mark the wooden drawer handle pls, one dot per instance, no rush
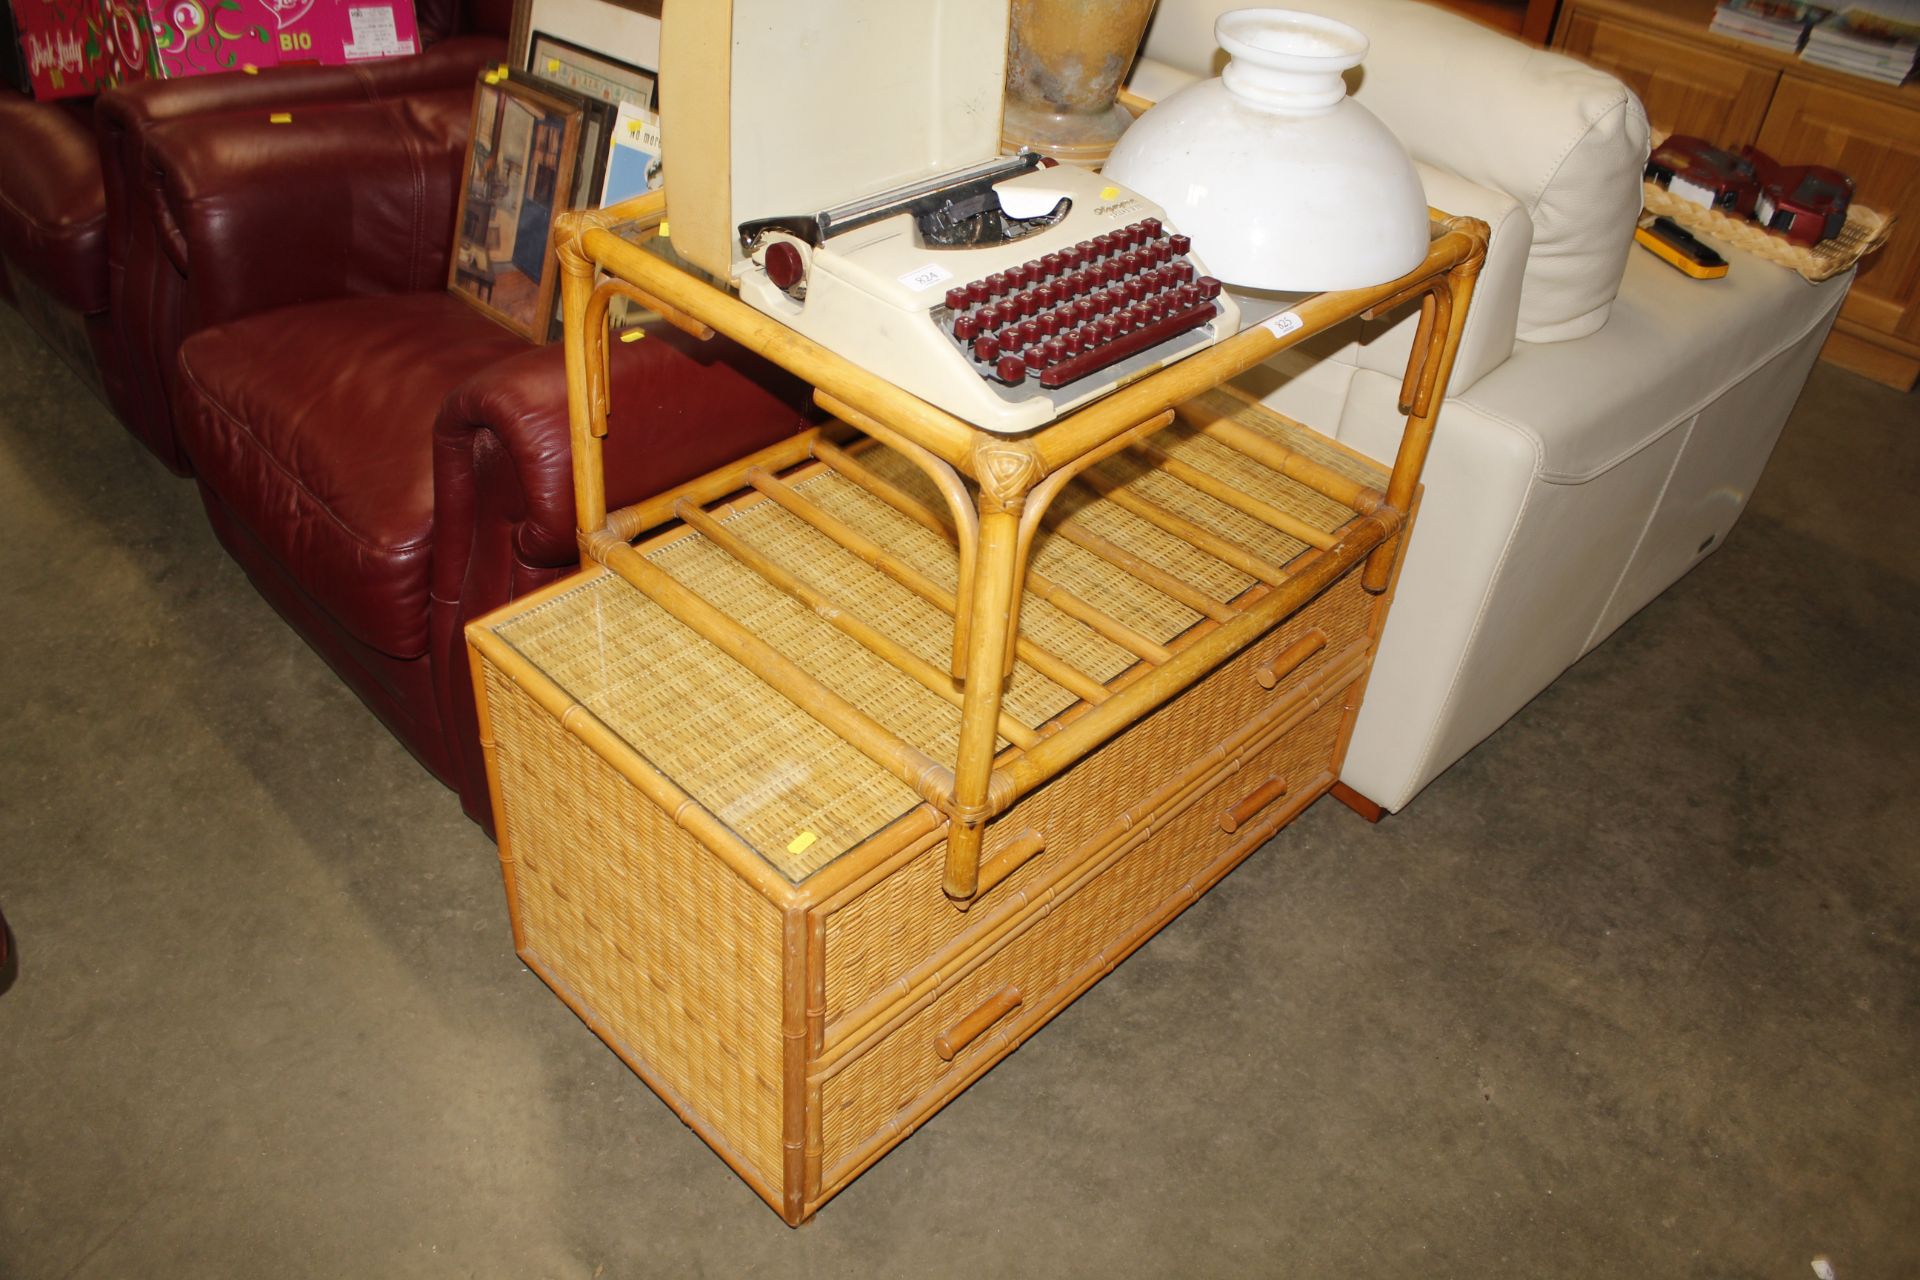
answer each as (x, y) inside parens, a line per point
(970, 1028)
(1263, 795)
(1284, 662)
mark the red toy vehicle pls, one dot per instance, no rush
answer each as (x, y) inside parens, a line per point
(1807, 203)
(1696, 170)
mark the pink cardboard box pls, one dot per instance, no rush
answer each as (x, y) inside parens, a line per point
(195, 37)
(334, 32)
(74, 47)
(70, 48)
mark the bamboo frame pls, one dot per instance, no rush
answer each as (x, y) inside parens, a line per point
(1018, 479)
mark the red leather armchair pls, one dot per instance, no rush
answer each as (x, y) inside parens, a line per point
(384, 462)
(72, 255)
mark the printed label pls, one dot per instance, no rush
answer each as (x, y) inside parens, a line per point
(374, 35)
(926, 277)
(1283, 324)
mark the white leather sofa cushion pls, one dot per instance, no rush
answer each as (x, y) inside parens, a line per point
(1671, 345)
(1567, 142)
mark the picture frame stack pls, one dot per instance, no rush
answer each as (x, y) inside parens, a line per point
(568, 123)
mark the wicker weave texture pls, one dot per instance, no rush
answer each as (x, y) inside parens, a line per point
(645, 928)
(904, 1073)
(1864, 232)
(900, 921)
(738, 748)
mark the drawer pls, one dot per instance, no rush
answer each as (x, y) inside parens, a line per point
(1021, 978)
(872, 941)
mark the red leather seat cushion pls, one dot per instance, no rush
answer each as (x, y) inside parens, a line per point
(53, 209)
(314, 425)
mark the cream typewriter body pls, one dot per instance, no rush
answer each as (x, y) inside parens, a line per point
(1006, 294)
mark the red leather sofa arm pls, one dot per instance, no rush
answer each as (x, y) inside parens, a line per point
(503, 478)
(335, 202)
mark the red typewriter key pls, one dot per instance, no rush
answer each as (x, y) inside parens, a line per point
(1049, 323)
(1152, 226)
(965, 327)
(1055, 349)
(1012, 370)
(1035, 357)
(1054, 263)
(1179, 243)
(957, 298)
(977, 291)
(1209, 287)
(996, 284)
(986, 347)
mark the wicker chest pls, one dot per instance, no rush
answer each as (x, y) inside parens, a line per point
(749, 910)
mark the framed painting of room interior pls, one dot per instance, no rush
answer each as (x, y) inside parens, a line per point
(519, 173)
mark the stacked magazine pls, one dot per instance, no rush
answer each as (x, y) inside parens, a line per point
(1778, 24)
(1878, 40)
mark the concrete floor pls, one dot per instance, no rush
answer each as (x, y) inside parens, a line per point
(1633, 990)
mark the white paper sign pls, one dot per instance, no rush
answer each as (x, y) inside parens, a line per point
(926, 277)
(374, 35)
(1283, 324)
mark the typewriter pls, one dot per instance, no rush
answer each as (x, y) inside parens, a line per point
(867, 205)
(1006, 293)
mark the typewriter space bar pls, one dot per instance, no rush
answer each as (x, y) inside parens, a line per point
(1115, 349)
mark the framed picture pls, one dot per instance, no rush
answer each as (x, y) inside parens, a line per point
(520, 166)
(592, 75)
(628, 30)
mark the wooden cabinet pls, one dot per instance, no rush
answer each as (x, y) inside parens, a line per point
(1531, 20)
(1733, 93)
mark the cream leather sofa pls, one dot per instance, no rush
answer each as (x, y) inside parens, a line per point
(1608, 416)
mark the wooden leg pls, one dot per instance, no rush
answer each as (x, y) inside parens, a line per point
(980, 704)
(1366, 808)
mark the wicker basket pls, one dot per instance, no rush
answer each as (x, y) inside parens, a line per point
(748, 909)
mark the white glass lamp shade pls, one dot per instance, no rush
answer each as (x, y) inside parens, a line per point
(1281, 180)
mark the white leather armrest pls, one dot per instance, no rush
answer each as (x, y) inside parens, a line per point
(1492, 321)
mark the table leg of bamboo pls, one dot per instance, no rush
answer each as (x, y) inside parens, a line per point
(993, 579)
(589, 485)
(1428, 398)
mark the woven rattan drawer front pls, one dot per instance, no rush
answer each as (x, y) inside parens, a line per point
(898, 923)
(876, 1096)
